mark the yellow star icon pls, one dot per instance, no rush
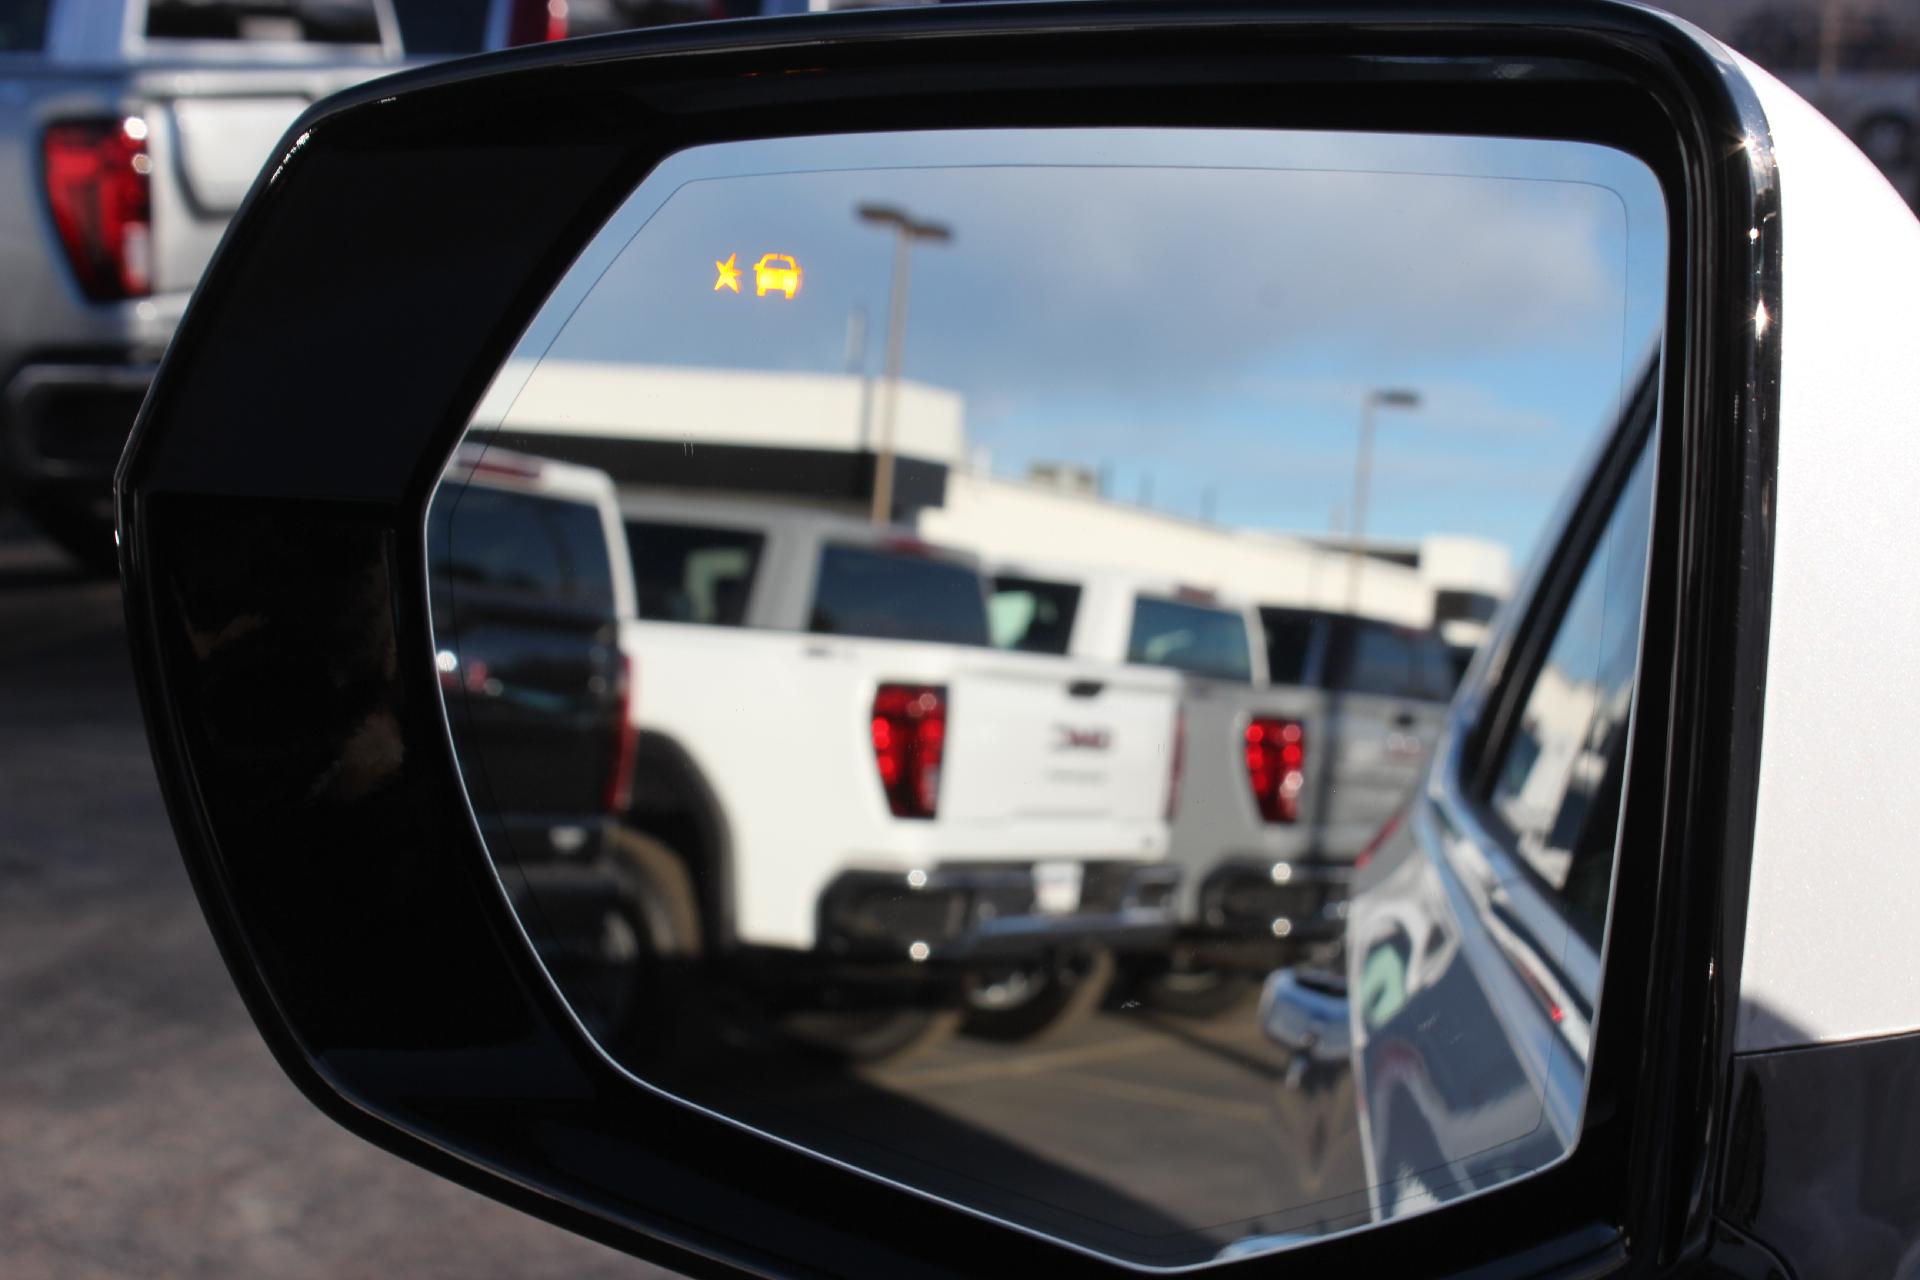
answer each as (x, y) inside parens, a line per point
(729, 274)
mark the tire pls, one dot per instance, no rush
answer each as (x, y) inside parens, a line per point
(1197, 993)
(84, 535)
(1043, 999)
(631, 996)
(873, 1036)
(661, 891)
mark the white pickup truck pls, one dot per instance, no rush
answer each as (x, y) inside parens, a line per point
(1291, 762)
(857, 777)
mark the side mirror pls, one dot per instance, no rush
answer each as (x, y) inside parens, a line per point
(676, 724)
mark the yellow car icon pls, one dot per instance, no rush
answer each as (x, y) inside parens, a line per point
(776, 271)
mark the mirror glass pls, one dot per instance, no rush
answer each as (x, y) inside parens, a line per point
(929, 623)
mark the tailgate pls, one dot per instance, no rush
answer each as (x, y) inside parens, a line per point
(1042, 740)
(223, 142)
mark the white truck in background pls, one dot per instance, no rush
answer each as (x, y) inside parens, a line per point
(1293, 754)
(886, 817)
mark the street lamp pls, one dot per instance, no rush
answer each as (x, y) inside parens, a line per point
(906, 229)
(1392, 398)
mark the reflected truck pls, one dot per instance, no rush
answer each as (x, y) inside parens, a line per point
(892, 827)
(529, 579)
(1293, 753)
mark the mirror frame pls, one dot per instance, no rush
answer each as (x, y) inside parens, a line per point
(272, 496)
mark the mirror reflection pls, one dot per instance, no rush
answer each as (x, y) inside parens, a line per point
(931, 625)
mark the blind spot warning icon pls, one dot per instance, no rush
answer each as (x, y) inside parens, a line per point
(776, 271)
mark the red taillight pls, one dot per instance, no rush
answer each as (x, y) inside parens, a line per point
(626, 744)
(96, 173)
(1179, 762)
(532, 21)
(1276, 763)
(909, 729)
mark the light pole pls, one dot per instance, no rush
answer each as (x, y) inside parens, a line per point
(906, 230)
(1363, 477)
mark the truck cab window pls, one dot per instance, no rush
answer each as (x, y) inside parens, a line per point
(527, 545)
(1033, 616)
(890, 595)
(691, 573)
(498, 540)
(1374, 659)
(1290, 638)
(1190, 637)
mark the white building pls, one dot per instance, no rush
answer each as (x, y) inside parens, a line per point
(1002, 519)
(813, 438)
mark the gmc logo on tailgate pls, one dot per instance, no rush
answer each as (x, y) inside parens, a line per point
(1068, 738)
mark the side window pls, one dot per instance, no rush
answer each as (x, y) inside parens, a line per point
(1199, 638)
(1558, 785)
(687, 573)
(1032, 616)
(1376, 659)
(1289, 644)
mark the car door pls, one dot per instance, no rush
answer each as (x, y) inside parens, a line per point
(1476, 927)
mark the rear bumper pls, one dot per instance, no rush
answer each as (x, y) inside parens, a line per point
(994, 912)
(1298, 899)
(64, 425)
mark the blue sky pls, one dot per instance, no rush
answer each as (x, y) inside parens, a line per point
(1206, 321)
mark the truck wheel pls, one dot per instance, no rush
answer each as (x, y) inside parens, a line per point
(660, 889)
(1024, 1002)
(86, 537)
(872, 1036)
(635, 995)
(607, 988)
(1197, 992)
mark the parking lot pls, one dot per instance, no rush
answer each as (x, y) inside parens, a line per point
(1148, 1123)
(149, 1132)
